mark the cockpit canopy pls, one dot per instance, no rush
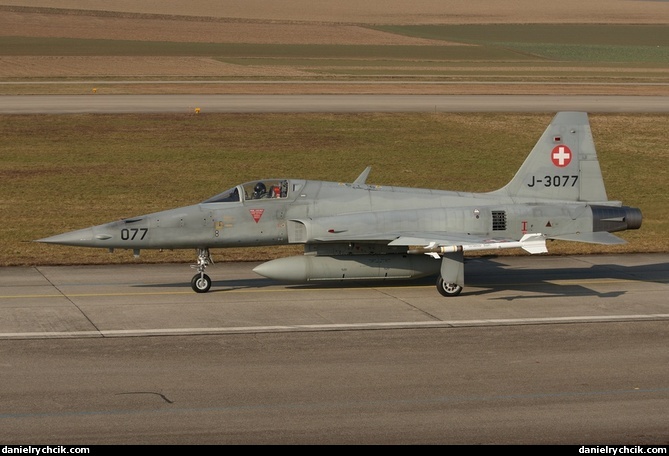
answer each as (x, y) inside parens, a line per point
(266, 188)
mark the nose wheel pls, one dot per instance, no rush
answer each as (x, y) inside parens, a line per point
(201, 283)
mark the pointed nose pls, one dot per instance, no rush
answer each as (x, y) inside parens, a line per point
(85, 238)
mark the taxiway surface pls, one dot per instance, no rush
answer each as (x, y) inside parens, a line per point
(72, 104)
(144, 299)
(564, 350)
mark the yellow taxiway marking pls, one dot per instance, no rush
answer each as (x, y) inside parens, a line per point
(164, 293)
(82, 295)
(580, 282)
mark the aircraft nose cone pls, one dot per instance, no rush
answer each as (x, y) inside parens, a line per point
(83, 237)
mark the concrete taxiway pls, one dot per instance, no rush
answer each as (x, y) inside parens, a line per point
(144, 299)
(537, 350)
(118, 104)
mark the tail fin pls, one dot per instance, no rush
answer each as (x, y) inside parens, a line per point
(562, 165)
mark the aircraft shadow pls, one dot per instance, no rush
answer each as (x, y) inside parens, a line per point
(489, 275)
(219, 286)
(485, 275)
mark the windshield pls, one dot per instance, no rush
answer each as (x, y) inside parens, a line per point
(227, 196)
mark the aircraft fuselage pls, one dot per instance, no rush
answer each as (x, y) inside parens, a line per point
(321, 212)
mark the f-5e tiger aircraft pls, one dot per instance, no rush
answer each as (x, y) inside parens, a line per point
(358, 231)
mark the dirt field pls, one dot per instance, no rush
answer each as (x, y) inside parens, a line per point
(296, 22)
(92, 26)
(387, 11)
(271, 22)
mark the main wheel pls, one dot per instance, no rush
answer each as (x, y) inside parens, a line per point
(200, 283)
(448, 289)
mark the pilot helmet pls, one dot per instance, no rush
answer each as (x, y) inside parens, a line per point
(259, 190)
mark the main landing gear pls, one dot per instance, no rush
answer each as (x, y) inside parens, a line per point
(452, 274)
(448, 289)
(201, 283)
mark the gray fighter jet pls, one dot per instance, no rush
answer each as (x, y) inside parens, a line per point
(357, 231)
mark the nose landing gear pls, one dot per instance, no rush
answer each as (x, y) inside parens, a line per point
(201, 283)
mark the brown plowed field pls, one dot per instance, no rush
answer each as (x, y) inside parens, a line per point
(269, 22)
(61, 24)
(386, 11)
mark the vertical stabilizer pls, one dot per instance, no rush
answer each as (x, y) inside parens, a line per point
(563, 164)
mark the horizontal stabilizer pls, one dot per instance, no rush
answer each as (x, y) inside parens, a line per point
(599, 237)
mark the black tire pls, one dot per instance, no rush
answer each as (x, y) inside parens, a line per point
(448, 289)
(200, 284)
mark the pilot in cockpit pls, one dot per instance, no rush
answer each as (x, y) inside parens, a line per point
(259, 191)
